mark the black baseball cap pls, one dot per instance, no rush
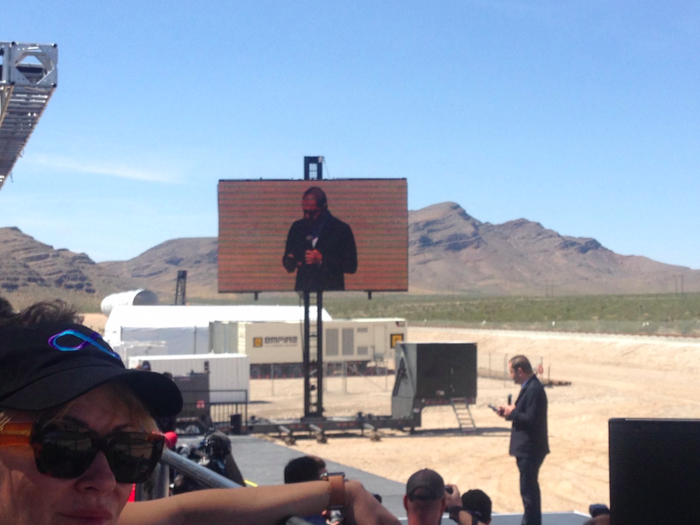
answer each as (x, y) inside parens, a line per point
(478, 504)
(47, 364)
(425, 484)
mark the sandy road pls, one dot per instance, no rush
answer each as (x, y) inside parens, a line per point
(612, 376)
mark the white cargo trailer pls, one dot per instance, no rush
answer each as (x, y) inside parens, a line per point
(271, 336)
(229, 379)
(184, 330)
(361, 345)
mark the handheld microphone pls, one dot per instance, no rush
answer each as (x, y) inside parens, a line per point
(510, 398)
(308, 245)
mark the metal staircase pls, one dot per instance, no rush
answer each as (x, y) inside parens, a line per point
(463, 414)
(28, 77)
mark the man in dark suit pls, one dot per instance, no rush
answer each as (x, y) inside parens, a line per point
(320, 247)
(528, 439)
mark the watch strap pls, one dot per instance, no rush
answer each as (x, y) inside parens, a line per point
(337, 493)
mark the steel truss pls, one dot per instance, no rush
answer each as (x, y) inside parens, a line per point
(28, 77)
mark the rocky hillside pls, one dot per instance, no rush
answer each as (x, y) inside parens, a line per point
(31, 270)
(156, 269)
(449, 252)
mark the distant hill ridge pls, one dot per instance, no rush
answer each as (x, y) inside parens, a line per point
(449, 252)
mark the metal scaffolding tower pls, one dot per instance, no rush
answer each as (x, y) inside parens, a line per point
(28, 77)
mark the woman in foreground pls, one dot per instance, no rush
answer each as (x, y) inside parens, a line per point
(77, 430)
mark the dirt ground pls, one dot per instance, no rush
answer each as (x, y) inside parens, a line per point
(95, 321)
(611, 376)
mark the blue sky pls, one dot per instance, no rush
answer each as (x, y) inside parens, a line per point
(581, 115)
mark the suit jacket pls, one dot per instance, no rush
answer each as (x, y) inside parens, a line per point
(336, 243)
(528, 437)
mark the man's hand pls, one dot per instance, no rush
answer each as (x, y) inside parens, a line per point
(290, 263)
(313, 257)
(505, 410)
(453, 499)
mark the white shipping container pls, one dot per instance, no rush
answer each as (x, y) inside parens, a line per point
(185, 329)
(358, 341)
(229, 374)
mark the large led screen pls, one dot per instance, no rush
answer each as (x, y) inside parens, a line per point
(277, 235)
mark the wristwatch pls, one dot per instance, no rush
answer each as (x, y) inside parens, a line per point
(337, 496)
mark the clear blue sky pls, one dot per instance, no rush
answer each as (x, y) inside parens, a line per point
(581, 115)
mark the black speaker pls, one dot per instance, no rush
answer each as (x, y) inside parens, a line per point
(446, 370)
(236, 424)
(195, 394)
(438, 370)
(654, 471)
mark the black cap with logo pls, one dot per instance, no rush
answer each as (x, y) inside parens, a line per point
(47, 364)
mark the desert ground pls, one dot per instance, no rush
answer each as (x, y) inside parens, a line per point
(611, 376)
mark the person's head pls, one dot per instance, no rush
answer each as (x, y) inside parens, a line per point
(305, 468)
(425, 498)
(314, 204)
(520, 369)
(6, 310)
(217, 445)
(478, 504)
(74, 422)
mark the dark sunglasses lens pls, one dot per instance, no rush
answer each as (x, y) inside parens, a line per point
(66, 454)
(133, 457)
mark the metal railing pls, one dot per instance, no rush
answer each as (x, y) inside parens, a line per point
(212, 408)
(158, 486)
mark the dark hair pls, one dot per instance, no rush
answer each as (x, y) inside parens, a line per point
(478, 503)
(521, 362)
(56, 311)
(305, 468)
(318, 195)
(6, 310)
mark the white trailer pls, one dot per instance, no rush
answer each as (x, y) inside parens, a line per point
(276, 349)
(183, 330)
(229, 377)
(271, 336)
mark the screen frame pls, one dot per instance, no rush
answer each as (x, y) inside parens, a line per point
(375, 209)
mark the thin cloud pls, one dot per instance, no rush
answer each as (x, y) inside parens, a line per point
(104, 168)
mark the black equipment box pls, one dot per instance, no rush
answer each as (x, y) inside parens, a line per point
(195, 395)
(433, 374)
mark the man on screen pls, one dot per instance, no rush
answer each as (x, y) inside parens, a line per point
(319, 247)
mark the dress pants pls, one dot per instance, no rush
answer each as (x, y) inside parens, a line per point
(529, 468)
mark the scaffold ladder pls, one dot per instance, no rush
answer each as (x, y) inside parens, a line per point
(28, 78)
(313, 356)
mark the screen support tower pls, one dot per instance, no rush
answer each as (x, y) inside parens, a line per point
(28, 78)
(313, 369)
(180, 288)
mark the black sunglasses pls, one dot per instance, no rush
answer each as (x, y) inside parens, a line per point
(66, 450)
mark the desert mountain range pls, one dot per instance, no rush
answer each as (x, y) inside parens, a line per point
(449, 252)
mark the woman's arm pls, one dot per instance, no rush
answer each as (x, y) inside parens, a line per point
(260, 505)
